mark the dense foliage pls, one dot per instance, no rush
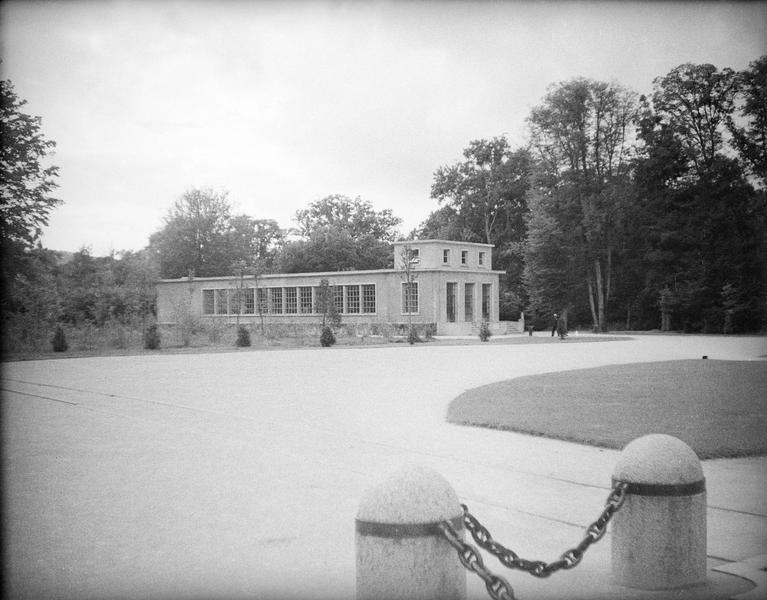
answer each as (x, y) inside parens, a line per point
(635, 212)
(340, 234)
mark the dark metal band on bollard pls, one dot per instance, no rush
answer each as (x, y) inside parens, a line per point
(664, 489)
(404, 530)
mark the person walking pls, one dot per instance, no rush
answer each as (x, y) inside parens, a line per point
(561, 327)
(554, 322)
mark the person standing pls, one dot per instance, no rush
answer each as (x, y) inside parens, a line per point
(554, 322)
(561, 327)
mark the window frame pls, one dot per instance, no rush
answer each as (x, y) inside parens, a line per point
(408, 298)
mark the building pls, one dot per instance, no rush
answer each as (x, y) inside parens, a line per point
(453, 290)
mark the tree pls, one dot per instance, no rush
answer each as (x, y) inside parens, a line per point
(408, 264)
(697, 102)
(486, 190)
(339, 234)
(251, 240)
(751, 137)
(26, 185)
(196, 236)
(582, 134)
(25, 195)
(357, 218)
(445, 223)
(697, 223)
(326, 305)
(552, 274)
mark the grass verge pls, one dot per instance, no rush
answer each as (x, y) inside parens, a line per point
(719, 408)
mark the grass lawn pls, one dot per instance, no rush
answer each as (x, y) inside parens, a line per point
(719, 408)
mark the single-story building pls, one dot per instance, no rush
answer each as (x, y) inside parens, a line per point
(453, 288)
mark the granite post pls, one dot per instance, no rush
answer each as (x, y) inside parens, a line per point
(659, 534)
(401, 554)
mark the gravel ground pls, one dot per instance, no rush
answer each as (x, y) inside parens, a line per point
(239, 475)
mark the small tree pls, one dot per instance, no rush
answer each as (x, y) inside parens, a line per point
(243, 336)
(152, 338)
(59, 341)
(326, 305)
(408, 261)
(327, 338)
(484, 331)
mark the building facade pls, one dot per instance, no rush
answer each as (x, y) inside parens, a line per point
(453, 288)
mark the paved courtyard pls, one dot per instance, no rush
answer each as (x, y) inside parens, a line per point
(235, 475)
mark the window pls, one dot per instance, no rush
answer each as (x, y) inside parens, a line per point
(338, 298)
(208, 302)
(415, 256)
(464, 257)
(369, 298)
(486, 287)
(410, 297)
(481, 258)
(446, 256)
(352, 298)
(222, 302)
(291, 301)
(275, 300)
(468, 301)
(263, 301)
(248, 303)
(451, 302)
(306, 300)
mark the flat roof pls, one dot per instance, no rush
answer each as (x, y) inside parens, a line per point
(329, 274)
(430, 241)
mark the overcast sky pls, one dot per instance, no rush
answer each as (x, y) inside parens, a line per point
(284, 103)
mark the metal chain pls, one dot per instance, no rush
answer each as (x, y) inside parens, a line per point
(568, 560)
(497, 587)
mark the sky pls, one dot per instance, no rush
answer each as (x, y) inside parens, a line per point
(281, 104)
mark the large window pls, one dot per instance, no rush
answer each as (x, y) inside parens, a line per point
(248, 301)
(208, 302)
(291, 301)
(451, 302)
(352, 299)
(486, 287)
(222, 302)
(262, 297)
(410, 298)
(468, 301)
(369, 298)
(275, 301)
(338, 298)
(306, 300)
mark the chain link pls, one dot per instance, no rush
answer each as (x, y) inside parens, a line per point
(571, 558)
(497, 587)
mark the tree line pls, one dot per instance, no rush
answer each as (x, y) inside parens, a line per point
(626, 211)
(623, 211)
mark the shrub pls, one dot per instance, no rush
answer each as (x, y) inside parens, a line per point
(243, 336)
(152, 338)
(327, 338)
(59, 341)
(484, 331)
(413, 337)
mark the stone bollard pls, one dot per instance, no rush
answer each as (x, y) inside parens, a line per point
(400, 551)
(659, 534)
